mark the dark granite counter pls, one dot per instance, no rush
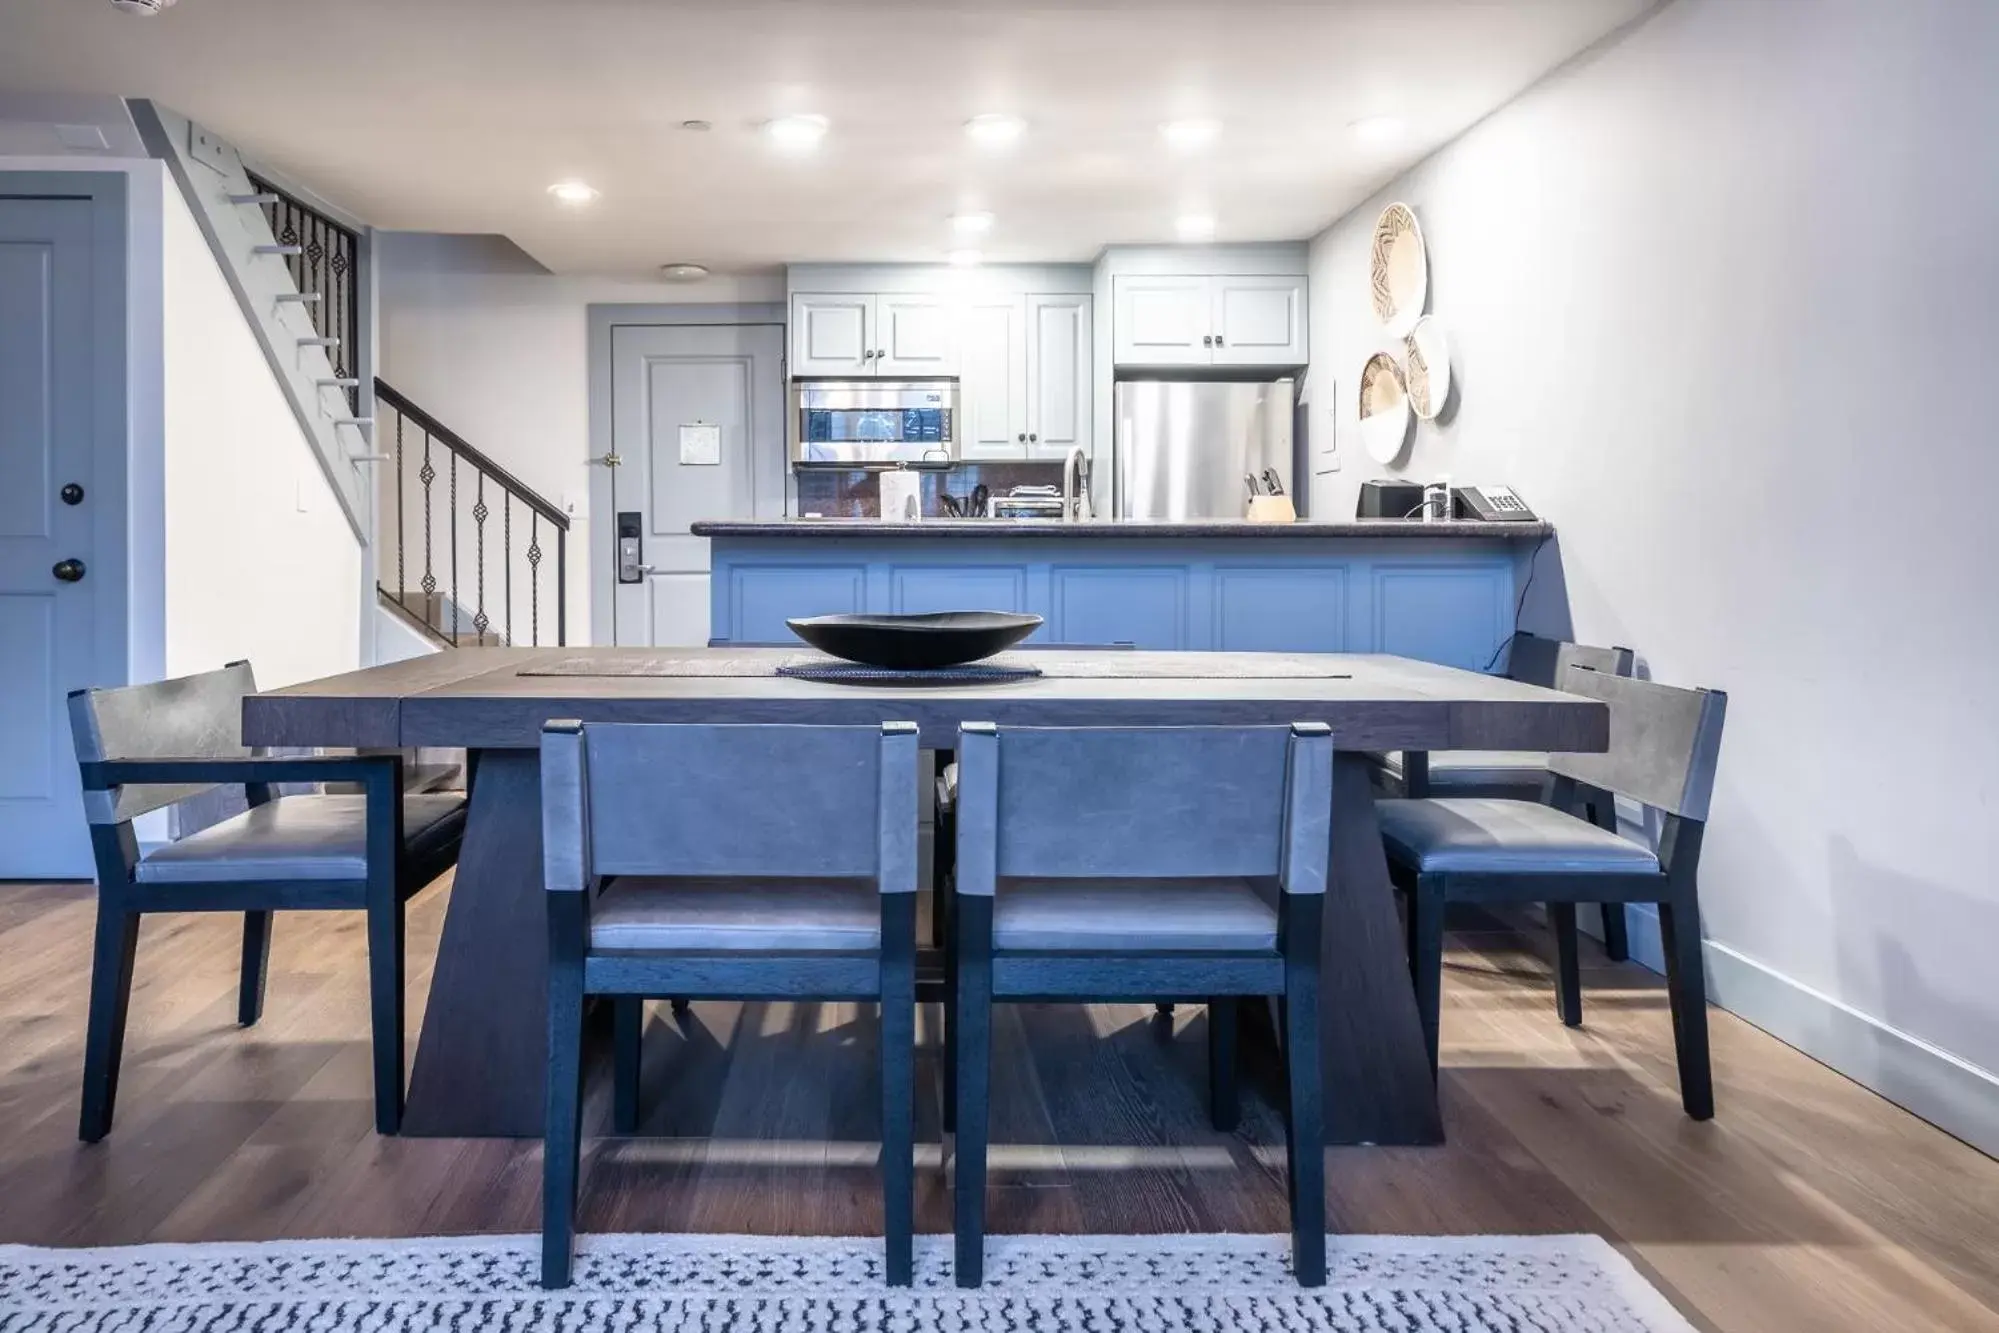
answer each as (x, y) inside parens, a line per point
(985, 529)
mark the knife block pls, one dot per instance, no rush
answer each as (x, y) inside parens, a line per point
(1272, 509)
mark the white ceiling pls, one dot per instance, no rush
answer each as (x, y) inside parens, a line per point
(456, 115)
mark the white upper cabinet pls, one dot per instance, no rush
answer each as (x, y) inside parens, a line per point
(1162, 321)
(915, 335)
(1259, 321)
(1058, 375)
(832, 334)
(992, 385)
(1211, 320)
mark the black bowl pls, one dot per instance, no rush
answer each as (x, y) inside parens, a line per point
(915, 643)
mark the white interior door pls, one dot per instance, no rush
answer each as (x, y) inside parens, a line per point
(698, 421)
(49, 575)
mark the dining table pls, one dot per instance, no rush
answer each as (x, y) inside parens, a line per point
(480, 1063)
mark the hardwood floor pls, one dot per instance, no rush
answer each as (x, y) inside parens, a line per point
(1807, 1204)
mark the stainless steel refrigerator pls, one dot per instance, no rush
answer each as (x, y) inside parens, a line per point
(1183, 448)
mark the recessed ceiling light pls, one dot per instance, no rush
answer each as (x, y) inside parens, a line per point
(1194, 226)
(797, 134)
(683, 272)
(965, 258)
(573, 193)
(971, 224)
(1377, 129)
(996, 129)
(1191, 135)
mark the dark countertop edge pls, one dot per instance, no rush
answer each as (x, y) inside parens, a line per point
(1008, 529)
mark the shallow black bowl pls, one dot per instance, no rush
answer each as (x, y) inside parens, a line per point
(915, 643)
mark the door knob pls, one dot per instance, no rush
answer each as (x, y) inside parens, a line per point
(71, 494)
(69, 571)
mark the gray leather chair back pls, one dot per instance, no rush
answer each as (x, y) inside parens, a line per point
(753, 801)
(1664, 742)
(1144, 803)
(191, 717)
(1533, 660)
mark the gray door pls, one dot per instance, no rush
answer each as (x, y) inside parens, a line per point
(697, 419)
(50, 572)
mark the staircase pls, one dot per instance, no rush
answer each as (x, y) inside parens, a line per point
(467, 554)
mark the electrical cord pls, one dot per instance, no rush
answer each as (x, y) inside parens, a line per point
(1533, 568)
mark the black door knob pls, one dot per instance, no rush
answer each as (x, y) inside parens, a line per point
(71, 494)
(69, 571)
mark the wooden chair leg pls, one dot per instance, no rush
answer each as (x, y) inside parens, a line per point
(256, 968)
(1616, 939)
(974, 998)
(116, 943)
(562, 1145)
(385, 997)
(898, 1078)
(1426, 911)
(1305, 1131)
(1224, 1100)
(1568, 967)
(1686, 988)
(628, 1021)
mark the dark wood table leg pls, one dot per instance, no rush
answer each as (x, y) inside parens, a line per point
(1376, 1066)
(483, 1058)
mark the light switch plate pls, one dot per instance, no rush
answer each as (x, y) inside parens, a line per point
(209, 150)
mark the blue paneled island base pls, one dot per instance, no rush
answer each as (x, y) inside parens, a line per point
(1440, 592)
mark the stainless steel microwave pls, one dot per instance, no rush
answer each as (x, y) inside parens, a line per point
(874, 423)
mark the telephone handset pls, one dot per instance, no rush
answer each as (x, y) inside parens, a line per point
(1492, 504)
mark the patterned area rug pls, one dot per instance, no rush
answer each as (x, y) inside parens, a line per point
(1042, 1284)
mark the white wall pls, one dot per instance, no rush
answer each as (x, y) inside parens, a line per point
(1722, 295)
(497, 349)
(259, 562)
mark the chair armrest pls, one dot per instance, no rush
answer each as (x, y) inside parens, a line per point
(103, 774)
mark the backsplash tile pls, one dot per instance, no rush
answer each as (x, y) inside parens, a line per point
(857, 494)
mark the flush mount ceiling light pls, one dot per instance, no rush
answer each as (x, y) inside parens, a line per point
(574, 193)
(997, 129)
(144, 7)
(797, 134)
(697, 126)
(971, 224)
(1376, 129)
(1194, 227)
(683, 272)
(1190, 135)
(965, 258)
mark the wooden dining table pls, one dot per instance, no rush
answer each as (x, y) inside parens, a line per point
(480, 1063)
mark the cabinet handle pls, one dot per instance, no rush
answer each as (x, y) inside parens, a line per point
(1207, 340)
(880, 352)
(1034, 437)
(1218, 340)
(1021, 438)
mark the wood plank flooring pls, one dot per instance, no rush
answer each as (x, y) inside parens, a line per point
(1808, 1203)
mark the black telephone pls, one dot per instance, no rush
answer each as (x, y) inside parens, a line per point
(1491, 504)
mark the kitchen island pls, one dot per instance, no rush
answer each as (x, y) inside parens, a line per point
(1442, 592)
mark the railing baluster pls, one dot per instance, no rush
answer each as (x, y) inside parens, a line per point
(507, 554)
(479, 515)
(402, 575)
(428, 476)
(534, 578)
(454, 547)
(562, 587)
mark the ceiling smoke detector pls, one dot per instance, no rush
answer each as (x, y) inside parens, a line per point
(683, 272)
(145, 7)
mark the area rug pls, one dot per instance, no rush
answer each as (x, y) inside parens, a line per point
(763, 1284)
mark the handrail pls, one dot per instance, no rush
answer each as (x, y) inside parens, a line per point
(452, 440)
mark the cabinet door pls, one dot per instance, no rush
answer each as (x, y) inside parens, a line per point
(915, 335)
(1058, 375)
(831, 333)
(1259, 321)
(1161, 321)
(992, 382)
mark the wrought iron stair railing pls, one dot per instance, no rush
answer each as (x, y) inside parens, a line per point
(446, 506)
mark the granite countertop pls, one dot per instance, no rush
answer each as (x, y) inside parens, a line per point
(985, 528)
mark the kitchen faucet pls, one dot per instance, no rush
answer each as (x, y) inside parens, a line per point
(1076, 485)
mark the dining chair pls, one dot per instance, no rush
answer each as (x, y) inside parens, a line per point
(1664, 742)
(1510, 774)
(671, 871)
(148, 747)
(1165, 862)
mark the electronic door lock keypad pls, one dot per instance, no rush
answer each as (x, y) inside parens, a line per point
(631, 551)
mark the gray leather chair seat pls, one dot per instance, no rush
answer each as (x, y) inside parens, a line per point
(295, 838)
(1487, 834)
(736, 915)
(1141, 916)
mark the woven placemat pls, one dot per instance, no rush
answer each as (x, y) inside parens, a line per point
(855, 673)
